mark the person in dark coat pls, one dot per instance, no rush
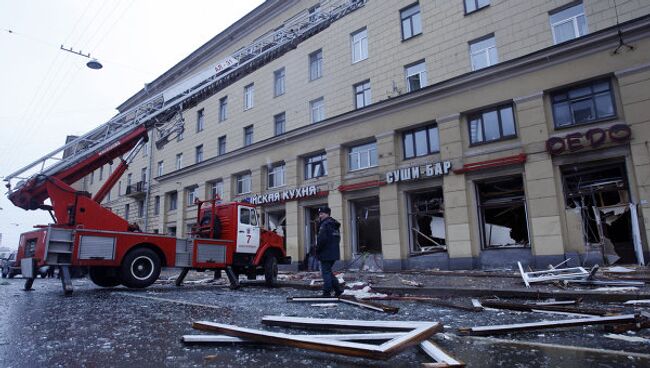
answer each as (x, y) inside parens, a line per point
(327, 250)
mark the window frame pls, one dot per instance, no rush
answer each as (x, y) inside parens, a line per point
(217, 188)
(241, 180)
(279, 80)
(179, 161)
(422, 73)
(484, 51)
(362, 94)
(314, 108)
(592, 95)
(478, 8)
(481, 112)
(313, 161)
(198, 154)
(221, 145)
(200, 120)
(249, 96)
(574, 21)
(279, 120)
(161, 168)
(248, 135)
(173, 201)
(358, 153)
(316, 59)
(402, 18)
(360, 42)
(192, 195)
(412, 132)
(272, 175)
(223, 109)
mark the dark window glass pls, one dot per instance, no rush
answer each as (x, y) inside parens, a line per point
(421, 141)
(492, 125)
(583, 104)
(411, 21)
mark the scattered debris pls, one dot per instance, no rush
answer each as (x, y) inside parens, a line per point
(411, 283)
(628, 338)
(425, 299)
(416, 333)
(618, 269)
(638, 302)
(491, 303)
(555, 274)
(501, 329)
(618, 289)
(442, 358)
(363, 304)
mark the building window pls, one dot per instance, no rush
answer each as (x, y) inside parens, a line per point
(198, 154)
(416, 76)
(363, 156)
(223, 108)
(483, 52)
(156, 205)
(129, 179)
(317, 108)
(143, 176)
(316, 166)
(101, 173)
(421, 142)
(411, 22)
(426, 216)
(474, 5)
(192, 195)
(249, 95)
(314, 13)
(180, 135)
(276, 176)
(568, 23)
(492, 125)
(502, 209)
(221, 145)
(278, 82)
(172, 200)
(141, 208)
(216, 191)
(279, 122)
(244, 182)
(359, 41)
(583, 104)
(161, 168)
(362, 95)
(200, 118)
(179, 161)
(127, 209)
(119, 188)
(248, 135)
(315, 65)
(92, 177)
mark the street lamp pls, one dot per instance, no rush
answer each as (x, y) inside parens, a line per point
(92, 64)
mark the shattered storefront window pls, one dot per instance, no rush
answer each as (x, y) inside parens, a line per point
(598, 206)
(502, 208)
(427, 221)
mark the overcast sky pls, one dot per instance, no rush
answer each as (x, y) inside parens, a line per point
(47, 94)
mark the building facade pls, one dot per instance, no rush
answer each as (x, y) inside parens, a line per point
(442, 134)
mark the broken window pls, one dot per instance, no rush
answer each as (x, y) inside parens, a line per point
(427, 221)
(597, 205)
(367, 228)
(502, 208)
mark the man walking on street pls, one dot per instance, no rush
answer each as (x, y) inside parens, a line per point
(327, 250)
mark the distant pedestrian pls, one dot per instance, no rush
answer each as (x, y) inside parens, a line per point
(50, 272)
(327, 250)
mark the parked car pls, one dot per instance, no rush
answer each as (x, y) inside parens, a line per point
(10, 267)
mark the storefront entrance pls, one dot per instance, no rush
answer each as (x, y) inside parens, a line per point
(598, 205)
(427, 221)
(310, 263)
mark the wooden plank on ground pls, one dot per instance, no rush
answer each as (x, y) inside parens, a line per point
(555, 308)
(370, 305)
(502, 329)
(442, 358)
(224, 339)
(347, 324)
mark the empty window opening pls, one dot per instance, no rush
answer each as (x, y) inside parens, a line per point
(427, 221)
(502, 210)
(366, 236)
(598, 207)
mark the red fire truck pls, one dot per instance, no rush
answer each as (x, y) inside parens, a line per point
(86, 234)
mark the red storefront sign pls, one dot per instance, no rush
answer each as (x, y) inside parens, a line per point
(592, 138)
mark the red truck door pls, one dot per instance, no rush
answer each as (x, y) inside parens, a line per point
(248, 231)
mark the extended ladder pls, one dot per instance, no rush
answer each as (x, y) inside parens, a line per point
(163, 111)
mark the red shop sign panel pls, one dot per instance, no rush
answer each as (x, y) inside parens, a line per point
(592, 138)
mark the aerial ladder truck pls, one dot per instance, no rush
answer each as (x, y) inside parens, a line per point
(86, 234)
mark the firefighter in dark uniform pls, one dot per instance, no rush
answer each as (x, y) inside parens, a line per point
(327, 250)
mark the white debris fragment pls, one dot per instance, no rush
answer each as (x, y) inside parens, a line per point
(364, 293)
(324, 305)
(622, 288)
(628, 338)
(637, 302)
(618, 269)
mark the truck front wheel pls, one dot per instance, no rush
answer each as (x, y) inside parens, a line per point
(104, 276)
(140, 268)
(271, 271)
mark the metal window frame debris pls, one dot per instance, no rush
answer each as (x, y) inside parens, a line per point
(363, 304)
(499, 304)
(555, 274)
(415, 334)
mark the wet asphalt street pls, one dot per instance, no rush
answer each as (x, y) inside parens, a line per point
(118, 327)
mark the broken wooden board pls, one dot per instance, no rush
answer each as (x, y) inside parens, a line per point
(342, 324)
(430, 300)
(442, 358)
(416, 334)
(224, 339)
(502, 329)
(359, 303)
(554, 308)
